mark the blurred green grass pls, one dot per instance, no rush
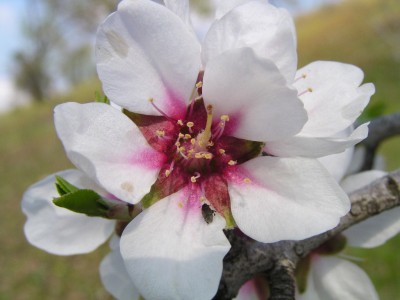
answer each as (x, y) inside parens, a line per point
(29, 150)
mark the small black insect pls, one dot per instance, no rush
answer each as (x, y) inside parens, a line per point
(208, 213)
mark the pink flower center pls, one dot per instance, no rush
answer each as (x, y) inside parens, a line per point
(198, 153)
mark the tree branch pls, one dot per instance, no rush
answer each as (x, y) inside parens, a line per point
(248, 258)
(379, 129)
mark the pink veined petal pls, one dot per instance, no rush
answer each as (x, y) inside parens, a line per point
(336, 278)
(332, 96)
(337, 164)
(285, 199)
(108, 146)
(115, 278)
(268, 30)
(58, 230)
(144, 51)
(376, 230)
(251, 90)
(170, 252)
(316, 146)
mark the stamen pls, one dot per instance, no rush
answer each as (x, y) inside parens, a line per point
(180, 122)
(221, 151)
(308, 90)
(189, 124)
(220, 129)
(208, 155)
(194, 178)
(193, 141)
(151, 100)
(247, 180)
(187, 136)
(160, 133)
(199, 84)
(225, 118)
(171, 168)
(303, 76)
(232, 162)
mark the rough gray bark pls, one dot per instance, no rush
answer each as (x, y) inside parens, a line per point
(380, 129)
(277, 261)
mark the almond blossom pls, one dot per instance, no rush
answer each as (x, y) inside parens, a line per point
(57, 230)
(211, 137)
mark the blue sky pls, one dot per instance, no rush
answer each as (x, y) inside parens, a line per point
(11, 12)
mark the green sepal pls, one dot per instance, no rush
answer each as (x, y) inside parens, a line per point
(301, 273)
(86, 202)
(64, 187)
(101, 98)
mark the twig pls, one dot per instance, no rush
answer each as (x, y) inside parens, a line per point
(248, 258)
(380, 129)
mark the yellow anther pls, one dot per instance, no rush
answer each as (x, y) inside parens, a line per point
(203, 199)
(180, 204)
(193, 179)
(177, 144)
(151, 100)
(160, 133)
(210, 143)
(167, 173)
(181, 135)
(225, 118)
(310, 90)
(181, 149)
(232, 162)
(190, 124)
(221, 151)
(180, 122)
(193, 141)
(247, 180)
(187, 136)
(198, 155)
(208, 156)
(191, 151)
(199, 84)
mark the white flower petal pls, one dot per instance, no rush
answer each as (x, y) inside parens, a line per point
(108, 146)
(287, 199)
(224, 6)
(354, 182)
(374, 231)
(144, 51)
(116, 279)
(316, 146)
(254, 95)
(337, 164)
(180, 8)
(336, 278)
(58, 230)
(336, 100)
(172, 253)
(268, 30)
